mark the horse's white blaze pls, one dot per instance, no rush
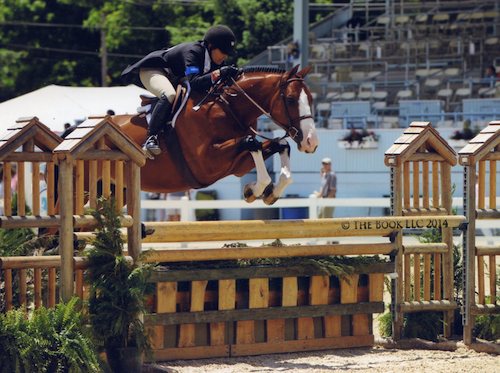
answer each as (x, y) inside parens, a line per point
(263, 178)
(310, 140)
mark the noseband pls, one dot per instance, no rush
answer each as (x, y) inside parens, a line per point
(290, 131)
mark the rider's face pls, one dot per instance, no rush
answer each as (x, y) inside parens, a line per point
(218, 57)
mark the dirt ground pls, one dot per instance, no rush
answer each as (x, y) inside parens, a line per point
(358, 360)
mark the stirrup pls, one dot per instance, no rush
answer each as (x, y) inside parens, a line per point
(151, 145)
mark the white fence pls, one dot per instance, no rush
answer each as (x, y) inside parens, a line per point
(187, 207)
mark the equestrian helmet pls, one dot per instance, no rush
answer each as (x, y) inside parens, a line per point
(221, 37)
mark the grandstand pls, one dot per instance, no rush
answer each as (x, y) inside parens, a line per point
(393, 62)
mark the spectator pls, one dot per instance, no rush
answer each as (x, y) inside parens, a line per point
(328, 187)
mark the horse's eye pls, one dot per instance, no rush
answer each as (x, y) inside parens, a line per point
(291, 100)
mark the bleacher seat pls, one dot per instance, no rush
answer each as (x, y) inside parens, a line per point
(383, 20)
(451, 72)
(441, 18)
(373, 74)
(463, 92)
(364, 95)
(431, 85)
(404, 94)
(365, 91)
(445, 94)
(332, 95)
(486, 92)
(491, 42)
(402, 20)
(322, 113)
(357, 76)
(380, 95)
(347, 96)
(389, 122)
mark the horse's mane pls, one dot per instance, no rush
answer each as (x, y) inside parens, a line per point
(263, 69)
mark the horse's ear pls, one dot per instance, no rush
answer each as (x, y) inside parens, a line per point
(302, 73)
(292, 72)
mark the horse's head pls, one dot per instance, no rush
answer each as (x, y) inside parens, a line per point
(292, 110)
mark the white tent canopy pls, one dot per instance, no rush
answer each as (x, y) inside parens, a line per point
(55, 105)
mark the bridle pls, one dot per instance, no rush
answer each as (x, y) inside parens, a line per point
(290, 131)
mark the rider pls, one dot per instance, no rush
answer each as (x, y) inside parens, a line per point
(201, 62)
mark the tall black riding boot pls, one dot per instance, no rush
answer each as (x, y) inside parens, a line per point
(159, 117)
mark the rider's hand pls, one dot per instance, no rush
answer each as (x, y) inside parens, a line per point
(227, 72)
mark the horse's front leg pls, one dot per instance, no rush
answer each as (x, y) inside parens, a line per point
(271, 195)
(254, 190)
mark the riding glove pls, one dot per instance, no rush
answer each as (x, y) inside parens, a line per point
(227, 72)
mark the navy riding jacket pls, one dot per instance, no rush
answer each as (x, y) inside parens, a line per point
(189, 60)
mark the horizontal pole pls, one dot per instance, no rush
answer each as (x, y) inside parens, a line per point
(422, 211)
(233, 253)
(311, 228)
(487, 214)
(54, 221)
(99, 155)
(12, 222)
(488, 250)
(433, 305)
(25, 262)
(28, 157)
(42, 262)
(234, 273)
(426, 248)
(485, 309)
(89, 222)
(271, 313)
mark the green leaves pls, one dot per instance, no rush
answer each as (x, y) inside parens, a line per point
(50, 340)
(117, 285)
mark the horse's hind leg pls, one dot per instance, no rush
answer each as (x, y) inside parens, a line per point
(254, 190)
(285, 177)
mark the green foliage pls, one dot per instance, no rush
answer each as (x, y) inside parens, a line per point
(339, 266)
(14, 341)
(13, 241)
(117, 285)
(426, 325)
(59, 42)
(385, 324)
(487, 327)
(51, 340)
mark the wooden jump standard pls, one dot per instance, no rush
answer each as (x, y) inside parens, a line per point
(482, 153)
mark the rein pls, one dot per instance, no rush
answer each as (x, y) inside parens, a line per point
(290, 131)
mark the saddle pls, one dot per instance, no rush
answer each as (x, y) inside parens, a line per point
(148, 102)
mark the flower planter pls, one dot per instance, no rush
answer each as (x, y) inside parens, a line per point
(204, 313)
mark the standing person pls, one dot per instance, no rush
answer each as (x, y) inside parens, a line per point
(328, 187)
(201, 62)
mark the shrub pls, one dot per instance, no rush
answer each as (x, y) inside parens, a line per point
(50, 340)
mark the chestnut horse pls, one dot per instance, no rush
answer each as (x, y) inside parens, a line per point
(218, 138)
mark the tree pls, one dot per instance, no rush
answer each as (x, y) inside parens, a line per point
(46, 42)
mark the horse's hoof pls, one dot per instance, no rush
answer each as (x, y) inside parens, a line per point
(270, 200)
(268, 196)
(248, 194)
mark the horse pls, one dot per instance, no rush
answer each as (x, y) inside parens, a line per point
(216, 135)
